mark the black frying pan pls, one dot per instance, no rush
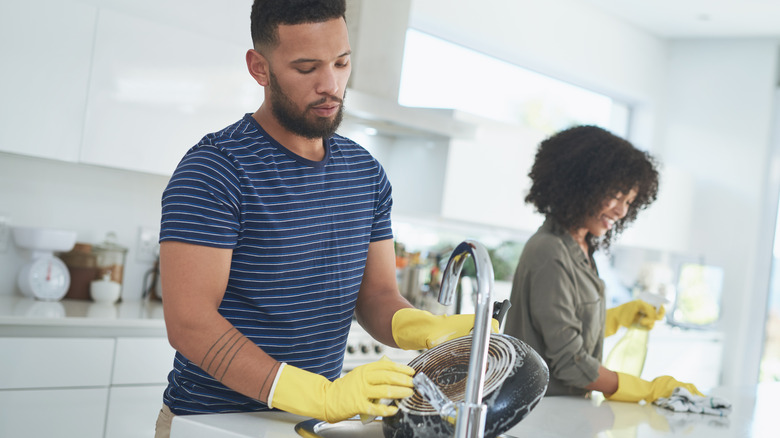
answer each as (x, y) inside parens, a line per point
(515, 381)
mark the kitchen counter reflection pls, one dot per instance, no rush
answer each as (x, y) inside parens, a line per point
(21, 316)
(753, 416)
(575, 417)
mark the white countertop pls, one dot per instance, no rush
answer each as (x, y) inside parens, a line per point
(21, 316)
(754, 415)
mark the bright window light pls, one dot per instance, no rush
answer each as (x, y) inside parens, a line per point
(439, 74)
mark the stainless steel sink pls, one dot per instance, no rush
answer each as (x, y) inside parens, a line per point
(342, 429)
(470, 414)
(345, 429)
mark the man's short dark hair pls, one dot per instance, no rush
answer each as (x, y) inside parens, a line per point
(267, 15)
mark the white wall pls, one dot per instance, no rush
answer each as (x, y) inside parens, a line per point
(581, 45)
(90, 200)
(703, 107)
(693, 99)
(718, 128)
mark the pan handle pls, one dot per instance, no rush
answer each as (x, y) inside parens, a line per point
(499, 311)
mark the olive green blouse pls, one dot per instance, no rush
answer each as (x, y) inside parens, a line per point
(559, 309)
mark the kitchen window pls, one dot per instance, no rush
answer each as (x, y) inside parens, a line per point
(770, 360)
(439, 74)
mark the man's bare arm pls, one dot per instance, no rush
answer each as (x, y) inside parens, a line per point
(194, 279)
(379, 298)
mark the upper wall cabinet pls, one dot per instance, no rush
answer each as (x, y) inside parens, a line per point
(665, 225)
(487, 178)
(46, 50)
(156, 89)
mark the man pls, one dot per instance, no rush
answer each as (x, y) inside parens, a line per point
(275, 231)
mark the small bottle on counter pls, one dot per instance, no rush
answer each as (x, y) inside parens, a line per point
(105, 290)
(111, 259)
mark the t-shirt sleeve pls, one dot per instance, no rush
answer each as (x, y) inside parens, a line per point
(201, 203)
(381, 229)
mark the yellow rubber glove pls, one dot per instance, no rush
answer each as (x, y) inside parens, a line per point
(415, 329)
(634, 389)
(632, 312)
(359, 392)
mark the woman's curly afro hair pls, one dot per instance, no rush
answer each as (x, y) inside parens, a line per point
(577, 169)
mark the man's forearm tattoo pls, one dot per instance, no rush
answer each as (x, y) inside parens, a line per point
(221, 354)
(271, 372)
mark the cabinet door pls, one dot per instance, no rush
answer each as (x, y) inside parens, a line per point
(142, 361)
(46, 48)
(133, 410)
(156, 90)
(53, 412)
(55, 362)
(487, 178)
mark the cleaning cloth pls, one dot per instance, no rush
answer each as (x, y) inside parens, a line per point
(682, 400)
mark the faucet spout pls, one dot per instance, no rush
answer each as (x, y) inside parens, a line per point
(471, 415)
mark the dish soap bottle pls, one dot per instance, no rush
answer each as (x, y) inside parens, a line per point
(629, 354)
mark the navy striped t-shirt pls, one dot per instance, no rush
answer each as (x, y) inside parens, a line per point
(299, 231)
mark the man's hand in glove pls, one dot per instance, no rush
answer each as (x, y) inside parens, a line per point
(415, 329)
(634, 389)
(359, 392)
(632, 312)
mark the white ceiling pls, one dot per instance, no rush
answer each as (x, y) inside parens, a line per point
(698, 18)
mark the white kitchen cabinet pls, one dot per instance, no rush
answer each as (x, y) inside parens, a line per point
(142, 361)
(46, 48)
(62, 380)
(62, 413)
(416, 170)
(119, 84)
(141, 367)
(55, 362)
(480, 177)
(82, 386)
(664, 225)
(80, 373)
(140, 372)
(157, 89)
(487, 177)
(133, 410)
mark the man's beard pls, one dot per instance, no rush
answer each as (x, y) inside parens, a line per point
(283, 108)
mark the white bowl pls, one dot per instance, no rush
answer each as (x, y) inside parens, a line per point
(105, 291)
(44, 239)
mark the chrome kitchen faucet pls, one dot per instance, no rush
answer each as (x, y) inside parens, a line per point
(472, 412)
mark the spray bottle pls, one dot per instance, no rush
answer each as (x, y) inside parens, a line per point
(628, 355)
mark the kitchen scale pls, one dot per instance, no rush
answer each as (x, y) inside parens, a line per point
(44, 277)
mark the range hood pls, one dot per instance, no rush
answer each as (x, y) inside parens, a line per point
(391, 119)
(377, 35)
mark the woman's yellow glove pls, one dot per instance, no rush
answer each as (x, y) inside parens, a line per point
(359, 392)
(634, 389)
(415, 329)
(630, 313)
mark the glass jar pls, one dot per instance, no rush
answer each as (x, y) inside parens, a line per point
(82, 265)
(110, 257)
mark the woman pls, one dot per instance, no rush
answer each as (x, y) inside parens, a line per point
(589, 184)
